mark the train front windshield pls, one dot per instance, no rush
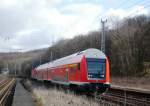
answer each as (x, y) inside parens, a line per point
(96, 68)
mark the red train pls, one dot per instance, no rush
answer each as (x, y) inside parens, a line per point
(88, 70)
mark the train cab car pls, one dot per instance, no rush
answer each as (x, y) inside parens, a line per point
(92, 72)
(87, 70)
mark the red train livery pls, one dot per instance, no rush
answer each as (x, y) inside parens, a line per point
(87, 69)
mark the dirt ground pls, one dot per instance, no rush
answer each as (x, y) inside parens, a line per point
(141, 83)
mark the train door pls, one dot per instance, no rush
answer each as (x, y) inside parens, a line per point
(74, 72)
(67, 74)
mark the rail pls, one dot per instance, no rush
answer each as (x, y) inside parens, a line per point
(125, 97)
(5, 89)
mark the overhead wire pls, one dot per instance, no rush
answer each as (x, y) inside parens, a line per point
(140, 2)
(135, 12)
(122, 4)
(147, 6)
(133, 4)
(97, 17)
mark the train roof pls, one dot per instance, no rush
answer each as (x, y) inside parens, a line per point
(75, 58)
(42, 66)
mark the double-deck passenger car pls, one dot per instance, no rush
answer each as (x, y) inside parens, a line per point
(88, 70)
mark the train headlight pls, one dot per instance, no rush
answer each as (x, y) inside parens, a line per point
(90, 76)
(101, 75)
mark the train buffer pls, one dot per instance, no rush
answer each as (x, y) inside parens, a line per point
(22, 97)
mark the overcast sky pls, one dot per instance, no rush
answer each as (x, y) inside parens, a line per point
(33, 24)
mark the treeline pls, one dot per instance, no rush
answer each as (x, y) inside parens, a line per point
(20, 63)
(127, 46)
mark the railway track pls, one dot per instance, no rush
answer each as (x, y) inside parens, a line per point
(6, 86)
(124, 97)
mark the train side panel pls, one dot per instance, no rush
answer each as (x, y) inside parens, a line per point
(107, 72)
(33, 74)
(58, 74)
(49, 74)
(44, 72)
(83, 70)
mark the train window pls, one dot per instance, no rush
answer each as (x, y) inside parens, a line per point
(73, 67)
(96, 68)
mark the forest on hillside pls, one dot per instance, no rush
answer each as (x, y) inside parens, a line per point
(127, 47)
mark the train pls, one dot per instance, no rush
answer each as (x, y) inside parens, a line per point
(88, 70)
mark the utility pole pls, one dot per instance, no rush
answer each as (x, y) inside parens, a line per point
(15, 68)
(16, 64)
(40, 59)
(103, 36)
(51, 57)
(7, 40)
(7, 67)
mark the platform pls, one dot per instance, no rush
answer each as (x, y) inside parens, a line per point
(22, 97)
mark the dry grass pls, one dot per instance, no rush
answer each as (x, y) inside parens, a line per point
(54, 97)
(132, 82)
(37, 100)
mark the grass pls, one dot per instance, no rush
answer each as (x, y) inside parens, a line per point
(54, 97)
(51, 96)
(37, 100)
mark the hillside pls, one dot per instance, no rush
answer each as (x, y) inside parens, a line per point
(127, 47)
(15, 60)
